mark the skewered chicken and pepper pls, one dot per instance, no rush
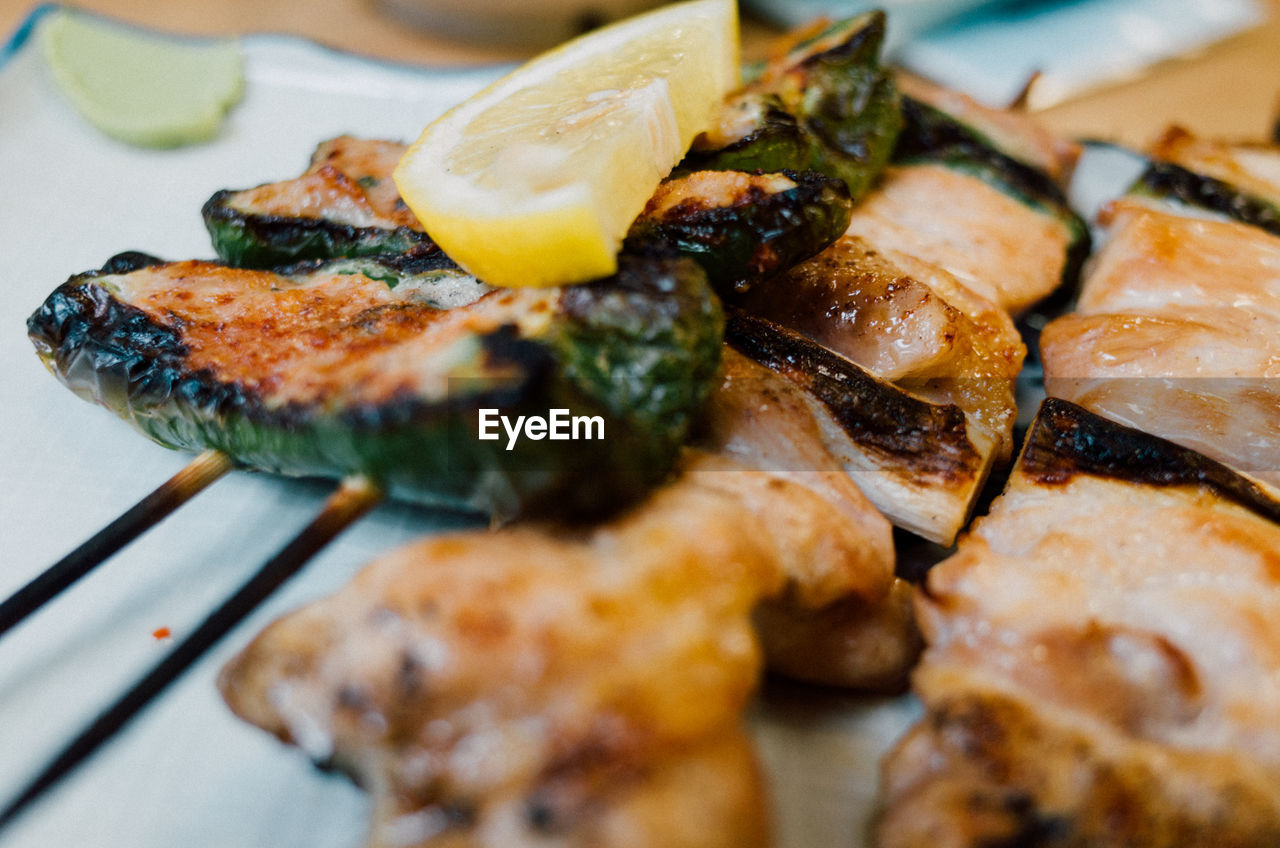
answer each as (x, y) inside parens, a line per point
(1184, 278)
(1101, 648)
(379, 366)
(579, 683)
(1102, 656)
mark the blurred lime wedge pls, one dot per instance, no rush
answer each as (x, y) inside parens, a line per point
(140, 87)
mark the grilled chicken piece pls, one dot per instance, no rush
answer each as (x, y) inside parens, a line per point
(547, 683)
(929, 334)
(1103, 651)
(844, 620)
(539, 685)
(586, 686)
(999, 247)
(348, 181)
(920, 463)
(1157, 339)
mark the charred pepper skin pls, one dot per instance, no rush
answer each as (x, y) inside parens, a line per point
(259, 240)
(736, 243)
(1168, 181)
(828, 106)
(769, 223)
(640, 349)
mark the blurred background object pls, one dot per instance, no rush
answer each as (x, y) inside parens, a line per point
(1115, 69)
(1071, 47)
(525, 23)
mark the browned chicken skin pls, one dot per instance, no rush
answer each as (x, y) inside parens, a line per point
(1103, 656)
(1176, 334)
(535, 686)
(927, 334)
(843, 619)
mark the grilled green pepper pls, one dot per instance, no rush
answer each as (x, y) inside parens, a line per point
(1179, 185)
(345, 204)
(742, 228)
(827, 106)
(383, 367)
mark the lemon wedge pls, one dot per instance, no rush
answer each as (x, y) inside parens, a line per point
(140, 87)
(535, 180)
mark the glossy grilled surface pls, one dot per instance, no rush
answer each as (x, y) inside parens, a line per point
(1101, 657)
(928, 336)
(918, 462)
(1175, 333)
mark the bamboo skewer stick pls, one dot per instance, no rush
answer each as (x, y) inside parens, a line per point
(142, 516)
(355, 497)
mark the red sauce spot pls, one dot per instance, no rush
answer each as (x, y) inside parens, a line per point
(162, 633)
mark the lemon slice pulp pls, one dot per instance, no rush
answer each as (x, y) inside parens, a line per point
(535, 180)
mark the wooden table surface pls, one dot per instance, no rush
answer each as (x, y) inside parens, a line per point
(1231, 89)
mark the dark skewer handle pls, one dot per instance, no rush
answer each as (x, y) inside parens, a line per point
(139, 518)
(352, 500)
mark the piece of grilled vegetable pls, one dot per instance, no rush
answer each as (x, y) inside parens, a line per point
(1102, 657)
(742, 228)
(1171, 183)
(827, 106)
(345, 204)
(1238, 182)
(1253, 168)
(381, 367)
(936, 117)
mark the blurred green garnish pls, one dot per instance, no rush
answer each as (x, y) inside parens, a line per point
(139, 87)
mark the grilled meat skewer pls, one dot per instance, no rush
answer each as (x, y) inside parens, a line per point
(1102, 656)
(544, 681)
(1156, 338)
(380, 366)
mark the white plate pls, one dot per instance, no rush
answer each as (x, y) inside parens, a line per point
(186, 773)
